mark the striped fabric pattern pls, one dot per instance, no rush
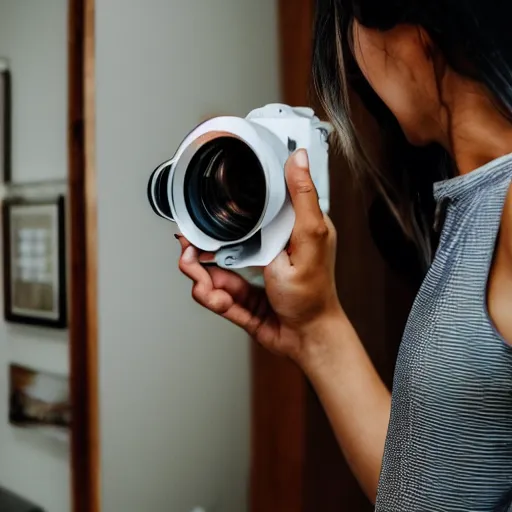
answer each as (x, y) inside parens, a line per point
(449, 443)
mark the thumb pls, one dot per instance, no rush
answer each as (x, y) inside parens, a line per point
(279, 268)
(302, 190)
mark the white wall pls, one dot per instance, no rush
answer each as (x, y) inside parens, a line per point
(174, 380)
(33, 37)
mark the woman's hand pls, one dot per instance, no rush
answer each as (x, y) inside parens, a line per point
(300, 293)
(298, 315)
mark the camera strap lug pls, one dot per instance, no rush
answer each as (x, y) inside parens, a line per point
(228, 258)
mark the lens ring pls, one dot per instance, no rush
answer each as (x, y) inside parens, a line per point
(157, 192)
(225, 189)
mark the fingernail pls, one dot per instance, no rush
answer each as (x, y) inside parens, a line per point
(189, 255)
(300, 158)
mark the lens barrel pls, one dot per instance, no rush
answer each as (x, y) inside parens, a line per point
(157, 191)
(225, 189)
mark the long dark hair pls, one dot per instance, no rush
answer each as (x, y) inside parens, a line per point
(476, 39)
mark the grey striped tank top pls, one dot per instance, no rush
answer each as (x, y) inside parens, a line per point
(449, 443)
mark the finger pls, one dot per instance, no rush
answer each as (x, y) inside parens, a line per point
(221, 291)
(183, 241)
(203, 257)
(310, 227)
(242, 317)
(232, 283)
(279, 268)
(217, 301)
(204, 291)
(250, 303)
(232, 298)
(190, 266)
(302, 190)
(216, 289)
(207, 258)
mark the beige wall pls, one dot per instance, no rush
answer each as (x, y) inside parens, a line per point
(174, 380)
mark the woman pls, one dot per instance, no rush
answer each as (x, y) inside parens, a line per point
(435, 75)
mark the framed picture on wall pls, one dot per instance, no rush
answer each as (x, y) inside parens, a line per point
(5, 122)
(34, 262)
(39, 400)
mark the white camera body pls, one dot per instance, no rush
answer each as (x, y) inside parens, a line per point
(272, 133)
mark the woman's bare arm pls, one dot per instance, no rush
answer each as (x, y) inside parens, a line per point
(353, 395)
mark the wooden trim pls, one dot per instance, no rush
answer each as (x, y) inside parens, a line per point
(278, 436)
(296, 18)
(85, 450)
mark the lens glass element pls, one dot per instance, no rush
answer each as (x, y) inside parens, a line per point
(225, 189)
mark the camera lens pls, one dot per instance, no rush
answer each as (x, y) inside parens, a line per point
(157, 191)
(225, 189)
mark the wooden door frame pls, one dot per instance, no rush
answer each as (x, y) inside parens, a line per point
(85, 450)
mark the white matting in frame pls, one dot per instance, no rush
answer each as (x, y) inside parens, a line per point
(34, 262)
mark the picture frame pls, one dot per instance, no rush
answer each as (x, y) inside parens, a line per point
(34, 256)
(5, 123)
(39, 400)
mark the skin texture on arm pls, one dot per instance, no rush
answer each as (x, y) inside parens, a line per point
(356, 401)
(299, 316)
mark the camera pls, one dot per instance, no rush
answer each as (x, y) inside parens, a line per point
(225, 186)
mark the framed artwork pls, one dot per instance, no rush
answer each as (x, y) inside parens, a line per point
(39, 400)
(5, 122)
(34, 262)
